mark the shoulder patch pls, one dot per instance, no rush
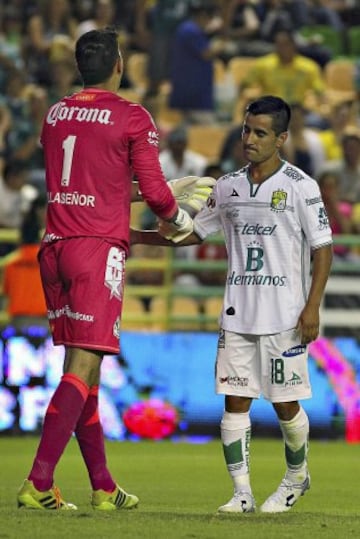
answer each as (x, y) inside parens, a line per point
(293, 173)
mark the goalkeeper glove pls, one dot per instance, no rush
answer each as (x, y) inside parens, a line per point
(182, 227)
(192, 191)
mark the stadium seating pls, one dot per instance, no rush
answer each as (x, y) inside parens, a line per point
(136, 71)
(239, 67)
(213, 308)
(133, 311)
(339, 75)
(207, 139)
(184, 314)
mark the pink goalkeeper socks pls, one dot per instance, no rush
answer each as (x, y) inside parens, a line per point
(61, 418)
(89, 434)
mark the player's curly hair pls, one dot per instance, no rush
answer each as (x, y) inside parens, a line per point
(272, 106)
(96, 53)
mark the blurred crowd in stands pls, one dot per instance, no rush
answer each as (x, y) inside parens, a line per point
(194, 64)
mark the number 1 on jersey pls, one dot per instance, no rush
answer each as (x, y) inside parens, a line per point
(68, 146)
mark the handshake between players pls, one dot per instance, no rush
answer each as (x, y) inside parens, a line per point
(191, 193)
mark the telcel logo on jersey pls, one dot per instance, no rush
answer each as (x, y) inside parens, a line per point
(60, 112)
(254, 230)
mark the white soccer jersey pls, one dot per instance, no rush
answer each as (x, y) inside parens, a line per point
(270, 229)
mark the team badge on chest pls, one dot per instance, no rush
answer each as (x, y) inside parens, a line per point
(278, 200)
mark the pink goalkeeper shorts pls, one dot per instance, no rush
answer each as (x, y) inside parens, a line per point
(83, 280)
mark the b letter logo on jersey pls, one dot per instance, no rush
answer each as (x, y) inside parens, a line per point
(278, 200)
(114, 273)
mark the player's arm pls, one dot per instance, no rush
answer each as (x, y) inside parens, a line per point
(151, 237)
(309, 320)
(155, 191)
(321, 266)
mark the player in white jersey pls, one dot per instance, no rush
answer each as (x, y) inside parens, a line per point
(274, 222)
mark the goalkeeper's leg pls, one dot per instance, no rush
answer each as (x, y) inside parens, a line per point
(107, 495)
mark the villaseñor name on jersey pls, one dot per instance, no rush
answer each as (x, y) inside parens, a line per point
(73, 199)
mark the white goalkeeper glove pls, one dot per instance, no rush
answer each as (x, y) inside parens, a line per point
(191, 192)
(180, 228)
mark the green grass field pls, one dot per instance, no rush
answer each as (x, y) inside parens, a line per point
(180, 486)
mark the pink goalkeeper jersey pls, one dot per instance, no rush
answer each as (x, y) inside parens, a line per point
(95, 143)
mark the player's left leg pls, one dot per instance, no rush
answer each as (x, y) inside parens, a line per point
(285, 363)
(297, 478)
(107, 495)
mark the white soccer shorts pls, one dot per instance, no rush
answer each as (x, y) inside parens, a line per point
(274, 366)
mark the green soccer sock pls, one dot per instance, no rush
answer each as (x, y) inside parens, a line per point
(235, 437)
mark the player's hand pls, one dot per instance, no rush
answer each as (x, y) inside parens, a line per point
(308, 324)
(191, 192)
(178, 229)
(169, 232)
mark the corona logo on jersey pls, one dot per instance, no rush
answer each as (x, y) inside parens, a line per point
(278, 200)
(60, 112)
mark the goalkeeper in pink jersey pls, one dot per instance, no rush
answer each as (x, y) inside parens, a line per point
(95, 143)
